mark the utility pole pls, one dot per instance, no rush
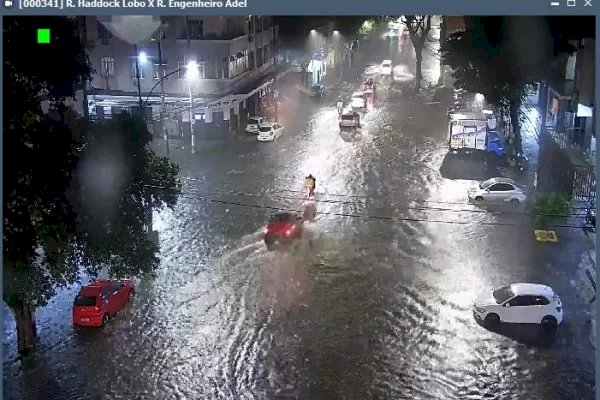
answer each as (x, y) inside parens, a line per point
(137, 75)
(275, 92)
(83, 35)
(163, 106)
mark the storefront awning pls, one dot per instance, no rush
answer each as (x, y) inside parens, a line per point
(584, 111)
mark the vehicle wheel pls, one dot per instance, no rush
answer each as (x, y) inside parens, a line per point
(549, 322)
(492, 321)
(478, 198)
(105, 319)
(514, 201)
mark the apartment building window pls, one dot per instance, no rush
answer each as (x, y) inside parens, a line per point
(225, 67)
(259, 57)
(160, 35)
(103, 33)
(107, 66)
(202, 70)
(251, 61)
(133, 69)
(180, 68)
(195, 29)
(238, 64)
(160, 70)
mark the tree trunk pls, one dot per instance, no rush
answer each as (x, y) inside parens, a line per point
(419, 66)
(26, 327)
(515, 107)
(443, 27)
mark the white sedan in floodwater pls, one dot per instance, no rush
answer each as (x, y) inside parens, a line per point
(498, 190)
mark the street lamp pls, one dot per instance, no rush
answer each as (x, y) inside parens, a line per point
(313, 32)
(336, 32)
(479, 98)
(143, 57)
(192, 74)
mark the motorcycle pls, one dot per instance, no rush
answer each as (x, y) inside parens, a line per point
(590, 218)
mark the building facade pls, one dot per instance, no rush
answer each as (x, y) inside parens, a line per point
(568, 150)
(234, 56)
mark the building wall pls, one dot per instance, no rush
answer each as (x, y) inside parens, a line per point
(212, 46)
(586, 72)
(454, 24)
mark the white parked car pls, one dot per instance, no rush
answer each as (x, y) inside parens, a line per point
(522, 303)
(358, 100)
(498, 190)
(269, 131)
(386, 67)
(253, 124)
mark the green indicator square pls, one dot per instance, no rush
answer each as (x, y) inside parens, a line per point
(43, 36)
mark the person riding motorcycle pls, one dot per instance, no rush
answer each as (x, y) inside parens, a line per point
(311, 184)
(340, 106)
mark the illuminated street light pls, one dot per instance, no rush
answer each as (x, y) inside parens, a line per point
(479, 98)
(336, 32)
(192, 71)
(143, 57)
(313, 32)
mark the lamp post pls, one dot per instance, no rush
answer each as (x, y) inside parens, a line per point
(191, 75)
(275, 92)
(163, 105)
(140, 57)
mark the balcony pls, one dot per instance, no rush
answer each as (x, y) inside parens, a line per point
(224, 36)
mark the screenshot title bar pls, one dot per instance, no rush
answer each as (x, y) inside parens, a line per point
(308, 7)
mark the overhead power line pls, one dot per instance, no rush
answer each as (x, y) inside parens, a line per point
(208, 199)
(368, 199)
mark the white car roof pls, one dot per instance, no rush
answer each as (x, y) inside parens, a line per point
(531, 289)
(492, 181)
(357, 94)
(387, 62)
(267, 124)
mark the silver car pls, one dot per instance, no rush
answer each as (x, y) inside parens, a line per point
(498, 190)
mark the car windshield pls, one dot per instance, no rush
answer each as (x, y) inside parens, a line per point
(283, 217)
(486, 184)
(348, 117)
(265, 129)
(85, 301)
(253, 121)
(503, 294)
(386, 65)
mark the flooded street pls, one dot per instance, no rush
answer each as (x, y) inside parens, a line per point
(378, 307)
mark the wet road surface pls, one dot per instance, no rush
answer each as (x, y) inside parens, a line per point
(378, 308)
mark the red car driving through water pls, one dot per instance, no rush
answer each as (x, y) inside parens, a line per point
(100, 300)
(283, 228)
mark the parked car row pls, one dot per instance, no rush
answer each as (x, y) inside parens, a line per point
(265, 131)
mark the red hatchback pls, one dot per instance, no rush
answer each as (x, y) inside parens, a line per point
(100, 300)
(283, 228)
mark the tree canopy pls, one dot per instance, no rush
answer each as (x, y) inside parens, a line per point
(500, 57)
(77, 194)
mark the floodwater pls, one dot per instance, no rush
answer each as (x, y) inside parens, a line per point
(378, 307)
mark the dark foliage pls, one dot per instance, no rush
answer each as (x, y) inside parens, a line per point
(77, 195)
(501, 56)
